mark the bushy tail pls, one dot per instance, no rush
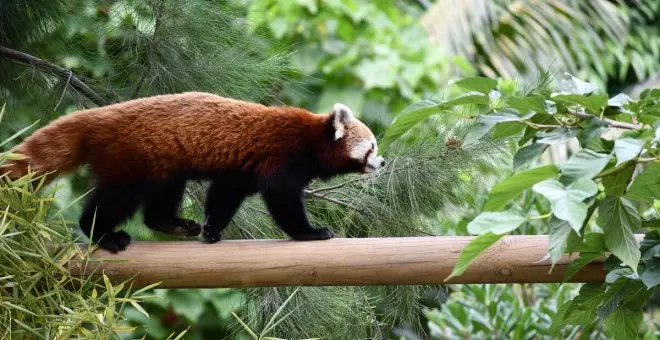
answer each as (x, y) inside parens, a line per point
(52, 150)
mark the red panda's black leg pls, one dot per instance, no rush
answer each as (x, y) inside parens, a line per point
(222, 202)
(107, 207)
(161, 207)
(286, 206)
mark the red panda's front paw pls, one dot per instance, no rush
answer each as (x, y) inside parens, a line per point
(313, 235)
(211, 235)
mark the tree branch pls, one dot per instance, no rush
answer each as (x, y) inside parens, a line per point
(607, 121)
(60, 72)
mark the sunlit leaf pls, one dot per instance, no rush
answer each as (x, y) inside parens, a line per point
(626, 149)
(566, 201)
(500, 222)
(512, 186)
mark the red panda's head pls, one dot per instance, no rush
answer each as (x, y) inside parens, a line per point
(354, 145)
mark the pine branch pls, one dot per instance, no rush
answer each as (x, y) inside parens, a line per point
(60, 72)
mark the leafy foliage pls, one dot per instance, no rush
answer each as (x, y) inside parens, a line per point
(39, 296)
(594, 193)
(369, 54)
(607, 42)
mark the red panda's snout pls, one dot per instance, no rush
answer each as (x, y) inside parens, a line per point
(359, 142)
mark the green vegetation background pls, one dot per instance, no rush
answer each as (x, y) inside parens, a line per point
(375, 56)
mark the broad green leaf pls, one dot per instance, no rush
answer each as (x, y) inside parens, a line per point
(566, 201)
(575, 266)
(646, 187)
(480, 84)
(615, 185)
(651, 275)
(619, 220)
(584, 164)
(626, 149)
(500, 222)
(623, 323)
(471, 251)
(593, 103)
(650, 250)
(619, 100)
(512, 186)
(556, 136)
(581, 310)
(508, 129)
(525, 156)
(418, 112)
(186, 303)
(377, 73)
(570, 84)
(558, 232)
(526, 104)
(408, 118)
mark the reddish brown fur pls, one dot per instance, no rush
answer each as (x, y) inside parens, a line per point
(141, 152)
(153, 137)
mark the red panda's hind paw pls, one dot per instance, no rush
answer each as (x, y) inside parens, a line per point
(115, 242)
(313, 235)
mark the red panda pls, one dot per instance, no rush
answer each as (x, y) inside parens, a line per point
(141, 153)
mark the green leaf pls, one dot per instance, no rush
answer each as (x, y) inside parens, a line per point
(651, 275)
(593, 103)
(619, 220)
(512, 186)
(479, 84)
(500, 222)
(570, 84)
(556, 136)
(508, 129)
(584, 164)
(575, 266)
(646, 186)
(377, 73)
(418, 112)
(581, 310)
(525, 156)
(566, 201)
(187, 303)
(623, 323)
(558, 232)
(526, 104)
(471, 251)
(615, 185)
(626, 149)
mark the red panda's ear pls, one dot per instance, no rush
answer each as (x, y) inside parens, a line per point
(340, 116)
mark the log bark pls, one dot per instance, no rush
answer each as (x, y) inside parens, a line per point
(339, 261)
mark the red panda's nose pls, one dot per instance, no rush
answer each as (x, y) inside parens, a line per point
(382, 163)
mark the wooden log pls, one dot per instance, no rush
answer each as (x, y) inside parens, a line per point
(339, 261)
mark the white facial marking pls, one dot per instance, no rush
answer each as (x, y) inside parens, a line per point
(367, 151)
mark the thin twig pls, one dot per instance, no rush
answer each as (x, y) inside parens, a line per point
(610, 122)
(64, 90)
(139, 85)
(45, 66)
(330, 199)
